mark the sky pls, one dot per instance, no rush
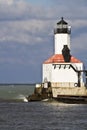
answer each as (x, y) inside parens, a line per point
(27, 35)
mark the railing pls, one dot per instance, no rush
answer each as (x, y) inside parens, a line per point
(62, 30)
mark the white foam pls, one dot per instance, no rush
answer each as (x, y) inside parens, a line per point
(22, 97)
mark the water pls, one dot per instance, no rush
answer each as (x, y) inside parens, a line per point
(15, 91)
(39, 115)
(42, 116)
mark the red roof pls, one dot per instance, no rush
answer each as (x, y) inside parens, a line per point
(58, 58)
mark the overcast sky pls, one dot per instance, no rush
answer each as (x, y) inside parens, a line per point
(27, 38)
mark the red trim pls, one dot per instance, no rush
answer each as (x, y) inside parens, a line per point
(58, 58)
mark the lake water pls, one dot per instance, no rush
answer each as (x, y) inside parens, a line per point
(39, 115)
(15, 91)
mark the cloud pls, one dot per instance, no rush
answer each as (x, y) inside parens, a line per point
(6, 2)
(24, 23)
(24, 32)
(20, 10)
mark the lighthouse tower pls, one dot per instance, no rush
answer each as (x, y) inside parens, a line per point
(62, 69)
(62, 36)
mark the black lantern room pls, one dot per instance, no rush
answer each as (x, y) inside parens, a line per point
(62, 27)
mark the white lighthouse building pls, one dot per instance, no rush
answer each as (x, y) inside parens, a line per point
(62, 73)
(62, 70)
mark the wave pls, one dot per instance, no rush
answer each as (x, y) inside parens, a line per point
(21, 98)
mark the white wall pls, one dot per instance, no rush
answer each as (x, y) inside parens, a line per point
(60, 41)
(64, 75)
(61, 75)
(47, 69)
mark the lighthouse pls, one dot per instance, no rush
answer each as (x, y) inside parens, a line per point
(62, 69)
(62, 74)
